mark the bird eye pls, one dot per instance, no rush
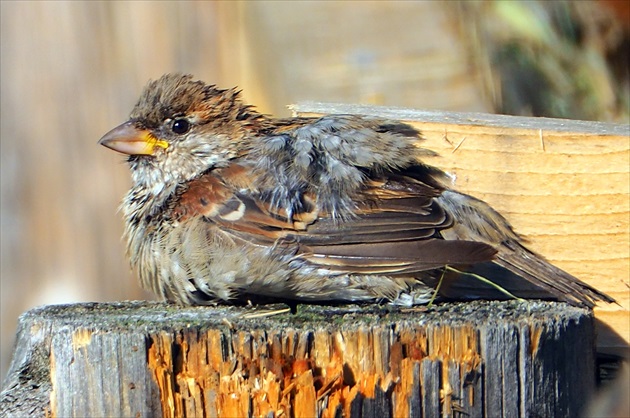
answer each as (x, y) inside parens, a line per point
(180, 126)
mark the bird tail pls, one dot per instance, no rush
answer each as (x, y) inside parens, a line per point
(535, 269)
(475, 220)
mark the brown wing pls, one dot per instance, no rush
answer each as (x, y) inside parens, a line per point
(400, 226)
(393, 231)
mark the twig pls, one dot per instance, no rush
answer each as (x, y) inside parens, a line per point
(458, 145)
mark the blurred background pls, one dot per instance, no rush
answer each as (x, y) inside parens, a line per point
(70, 71)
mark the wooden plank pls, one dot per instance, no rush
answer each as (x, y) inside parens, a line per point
(156, 359)
(466, 119)
(501, 344)
(430, 387)
(563, 184)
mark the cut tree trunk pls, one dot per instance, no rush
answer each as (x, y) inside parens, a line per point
(142, 359)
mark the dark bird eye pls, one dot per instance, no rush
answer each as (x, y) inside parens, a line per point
(180, 126)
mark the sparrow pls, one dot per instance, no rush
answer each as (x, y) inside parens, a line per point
(230, 205)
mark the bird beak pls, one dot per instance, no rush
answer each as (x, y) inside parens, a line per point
(128, 139)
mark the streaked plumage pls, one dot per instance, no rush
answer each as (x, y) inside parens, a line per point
(230, 205)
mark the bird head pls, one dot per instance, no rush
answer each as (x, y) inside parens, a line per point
(180, 128)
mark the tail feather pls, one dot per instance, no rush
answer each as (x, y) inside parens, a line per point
(536, 270)
(475, 220)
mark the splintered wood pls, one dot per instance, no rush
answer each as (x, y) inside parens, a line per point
(402, 368)
(301, 373)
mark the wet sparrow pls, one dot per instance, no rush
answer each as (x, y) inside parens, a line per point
(231, 205)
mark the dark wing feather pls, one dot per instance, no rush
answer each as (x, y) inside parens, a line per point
(395, 231)
(396, 258)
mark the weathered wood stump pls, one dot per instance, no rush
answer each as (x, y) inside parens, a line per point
(142, 359)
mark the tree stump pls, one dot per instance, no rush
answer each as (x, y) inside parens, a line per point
(147, 359)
